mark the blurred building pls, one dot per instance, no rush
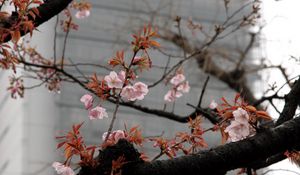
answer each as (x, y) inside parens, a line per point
(28, 126)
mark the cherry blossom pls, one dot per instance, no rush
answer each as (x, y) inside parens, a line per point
(62, 169)
(128, 92)
(184, 87)
(240, 115)
(87, 99)
(97, 113)
(141, 90)
(122, 76)
(213, 105)
(113, 80)
(135, 92)
(115, 136)
(81, 14)
(237, 131)
(239, 128)
(177, 79)
(172, 95)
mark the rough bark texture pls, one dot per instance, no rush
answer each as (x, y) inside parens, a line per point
(227, 157)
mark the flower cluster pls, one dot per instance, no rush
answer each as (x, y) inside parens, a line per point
(135, 92)
(179, 86)
(97, 112)
(239, 120)
(131, 93)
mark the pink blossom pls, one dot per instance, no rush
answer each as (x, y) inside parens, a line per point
(172, 95)
(241, 116)
(113, 80)
(177, 79)
(122, 75)
(137, 59)
(135, 92)
(87, 99)
(62, 169)
(81, 14)
(237, 131)
(97, 113)
(184, 87)
(213, 105)
(141, 90)
(115, 136)
(128, 92)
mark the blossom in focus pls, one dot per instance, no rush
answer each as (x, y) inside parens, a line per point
(97, 113)
(213, 105)
(177, 79)
(184, 87)
(87, 99)
(113, 80)
(81, 14)
(135, 92)
(237, 131)
(115, 136)
(172, 95)
(62, 169)
(239, 128)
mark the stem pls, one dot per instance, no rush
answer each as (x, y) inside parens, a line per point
(119, 96)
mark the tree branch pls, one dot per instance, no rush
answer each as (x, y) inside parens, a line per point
(46, 11)
(226, 157)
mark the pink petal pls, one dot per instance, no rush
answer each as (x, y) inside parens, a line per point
(87, 99)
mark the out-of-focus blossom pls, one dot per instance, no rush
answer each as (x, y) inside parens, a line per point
(177, 79)
(97, 113)
(81, 14)
(184, 87)
(172, 95)
(87, 99)
(122, 75)
(113, 80)
(213, 104)
(61, 169)
(114, 136)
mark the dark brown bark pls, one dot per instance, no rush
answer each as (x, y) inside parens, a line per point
(46, 11)
(227, 157)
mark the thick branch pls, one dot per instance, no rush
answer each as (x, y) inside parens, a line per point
(292, 100)
(226, 157)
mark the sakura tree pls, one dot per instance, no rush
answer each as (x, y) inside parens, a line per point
(251, 139)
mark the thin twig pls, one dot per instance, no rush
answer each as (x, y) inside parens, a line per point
(202, 92)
